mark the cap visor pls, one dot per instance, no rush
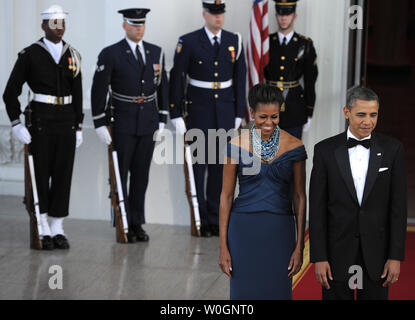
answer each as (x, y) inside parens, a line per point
(135, 23)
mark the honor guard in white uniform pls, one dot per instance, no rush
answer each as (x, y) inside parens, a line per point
(52, 69)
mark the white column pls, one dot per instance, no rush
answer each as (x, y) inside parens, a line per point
(327, 24)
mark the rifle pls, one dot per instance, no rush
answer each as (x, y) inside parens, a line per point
(118, 212)
(191, 193)
(31, 199)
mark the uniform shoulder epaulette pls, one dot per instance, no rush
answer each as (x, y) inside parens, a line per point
(304, 37)
(25, 50)
(75, 51)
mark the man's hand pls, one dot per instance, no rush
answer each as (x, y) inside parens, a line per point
(179, 125)
(22, 134)
(307, 126)
(162, 125)
(104, 135)
(160, 131)
(392, 270)
(238, 122)
(79, 139)
(323, 273)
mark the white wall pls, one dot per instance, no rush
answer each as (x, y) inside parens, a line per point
(94, 24)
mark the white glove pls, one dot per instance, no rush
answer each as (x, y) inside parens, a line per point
(179, 125)
(104, 135)
(160, 131)
(22, 134)
(162, 125)
(238, 122)
(307, 126)
(79, 139)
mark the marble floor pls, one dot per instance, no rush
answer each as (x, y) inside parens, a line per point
(172, 266)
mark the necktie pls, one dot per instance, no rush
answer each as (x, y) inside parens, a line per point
(216, 46)
(139, 56)
(351, 143)
(284, 42)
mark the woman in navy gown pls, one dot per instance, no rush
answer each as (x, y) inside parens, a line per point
(262, 231)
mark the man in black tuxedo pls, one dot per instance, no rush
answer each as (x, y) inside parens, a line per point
(358, 205)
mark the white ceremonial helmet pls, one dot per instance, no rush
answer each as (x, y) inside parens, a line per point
(54, 12)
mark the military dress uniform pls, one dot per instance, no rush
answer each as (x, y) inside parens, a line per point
(56, 115)
(210, 79)
(139, 94)
(293, 69)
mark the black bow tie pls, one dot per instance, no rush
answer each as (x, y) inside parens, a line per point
(351, 143)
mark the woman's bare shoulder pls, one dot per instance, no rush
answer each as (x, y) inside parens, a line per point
(290, 141)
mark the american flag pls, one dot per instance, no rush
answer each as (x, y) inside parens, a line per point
(258, 45)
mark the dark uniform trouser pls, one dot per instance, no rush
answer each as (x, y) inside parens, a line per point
(134, 155)
(209, 204)
(372, 290)
(53, 156)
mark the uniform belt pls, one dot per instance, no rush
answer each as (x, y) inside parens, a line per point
(43, 98)
(131, 99)
(211, 85)
(284, 84)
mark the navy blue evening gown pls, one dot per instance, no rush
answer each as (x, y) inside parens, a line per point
(261, 233)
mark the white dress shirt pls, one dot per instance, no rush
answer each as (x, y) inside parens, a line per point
(55, 49)
(288, 36)
(211, 35)
(359, 163)
(133, 45)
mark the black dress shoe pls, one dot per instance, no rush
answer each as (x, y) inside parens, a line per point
(141, 235)
(205, 232)
(61, 242)
(214, 229)
(131, 237)
(47, 243)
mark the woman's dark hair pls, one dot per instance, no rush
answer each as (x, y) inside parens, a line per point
(265, 94)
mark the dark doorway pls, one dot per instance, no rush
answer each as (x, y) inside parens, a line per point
(391, 74)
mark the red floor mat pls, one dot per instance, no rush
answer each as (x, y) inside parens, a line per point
(309, 289)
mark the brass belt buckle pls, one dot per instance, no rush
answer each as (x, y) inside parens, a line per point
(280, 84)
(58, 100)
(216, 85)
(140, 100)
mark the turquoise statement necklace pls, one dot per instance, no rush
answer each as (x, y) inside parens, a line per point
(266, 150)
